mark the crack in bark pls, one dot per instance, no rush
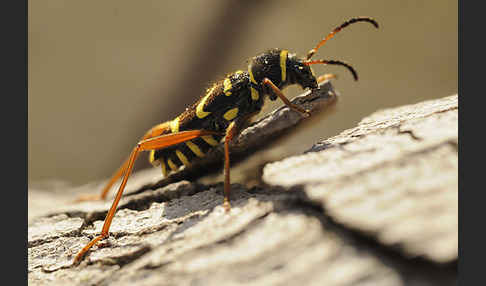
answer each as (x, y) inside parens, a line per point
(415, 270)
(328, 144)
(410, 133)
(41, 241)
(325, 144)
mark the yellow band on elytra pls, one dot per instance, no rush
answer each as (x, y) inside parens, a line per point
(200, 113)
(174, 125)
(227, 86)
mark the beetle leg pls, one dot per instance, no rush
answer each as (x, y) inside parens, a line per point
(230, 133)
(157, 130)
(154, 143)
(287, 102)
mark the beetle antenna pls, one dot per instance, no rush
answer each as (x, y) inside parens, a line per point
(336, 30)
(331, 62)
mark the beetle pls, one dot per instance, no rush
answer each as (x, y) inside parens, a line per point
(219, 114)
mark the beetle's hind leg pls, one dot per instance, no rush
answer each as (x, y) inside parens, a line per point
(106, 189)
(157, 130)
(154, 143)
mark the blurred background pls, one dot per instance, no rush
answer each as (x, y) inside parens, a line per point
(103, 72)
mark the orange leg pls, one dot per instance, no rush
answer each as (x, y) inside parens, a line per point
(104, 192)
(154, 143)
(230, 134)
(279, 93)
(154, 131)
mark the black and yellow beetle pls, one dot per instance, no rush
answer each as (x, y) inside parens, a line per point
(219, 114)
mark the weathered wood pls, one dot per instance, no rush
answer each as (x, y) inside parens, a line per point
(394, 177)
(350, 211)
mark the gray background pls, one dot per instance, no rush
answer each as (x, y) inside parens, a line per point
(103, 72)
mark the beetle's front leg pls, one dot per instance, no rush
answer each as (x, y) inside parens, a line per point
(285, 100)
